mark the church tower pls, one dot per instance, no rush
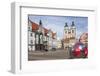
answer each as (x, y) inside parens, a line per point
(40, 26)
(69, 35)
(73, 30)
(73, 34)
(66, 30)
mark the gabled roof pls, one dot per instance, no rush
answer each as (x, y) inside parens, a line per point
(45, 30)
(35, 27)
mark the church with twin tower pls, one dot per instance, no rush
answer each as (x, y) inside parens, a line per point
(69, 35)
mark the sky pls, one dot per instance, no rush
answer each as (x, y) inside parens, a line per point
(57, 23)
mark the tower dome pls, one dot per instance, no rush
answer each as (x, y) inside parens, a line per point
(73, 24)
(66, 25)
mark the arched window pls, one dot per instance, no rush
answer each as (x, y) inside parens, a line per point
(41, 39)
(66, 31)
(37, 39)
(72, 31)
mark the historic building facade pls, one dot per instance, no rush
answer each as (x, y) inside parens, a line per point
(84, 38)
(69, 35)
(39, 37)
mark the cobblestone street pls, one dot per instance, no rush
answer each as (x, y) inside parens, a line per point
(38, 55)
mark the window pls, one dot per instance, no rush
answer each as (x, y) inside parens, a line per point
(44, 38)
(37, 39)
(29, 28)
(41, 39)
(69, 32)
(31, 34)
(72, 31)
(65, 31)
(31, 41)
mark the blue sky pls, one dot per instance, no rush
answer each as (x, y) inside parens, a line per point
(57, 23)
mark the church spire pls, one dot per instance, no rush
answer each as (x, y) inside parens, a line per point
(66, 25)
(73, 24)
(40, 23)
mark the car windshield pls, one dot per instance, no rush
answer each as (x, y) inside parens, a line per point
(78, 45)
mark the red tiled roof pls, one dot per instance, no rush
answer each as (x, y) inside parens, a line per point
(36, 27)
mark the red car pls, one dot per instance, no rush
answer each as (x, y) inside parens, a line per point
(79, 50)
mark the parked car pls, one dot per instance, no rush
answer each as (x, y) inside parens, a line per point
(79, 50)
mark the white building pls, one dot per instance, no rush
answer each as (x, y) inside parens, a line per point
(40, 38)
(31, 38)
